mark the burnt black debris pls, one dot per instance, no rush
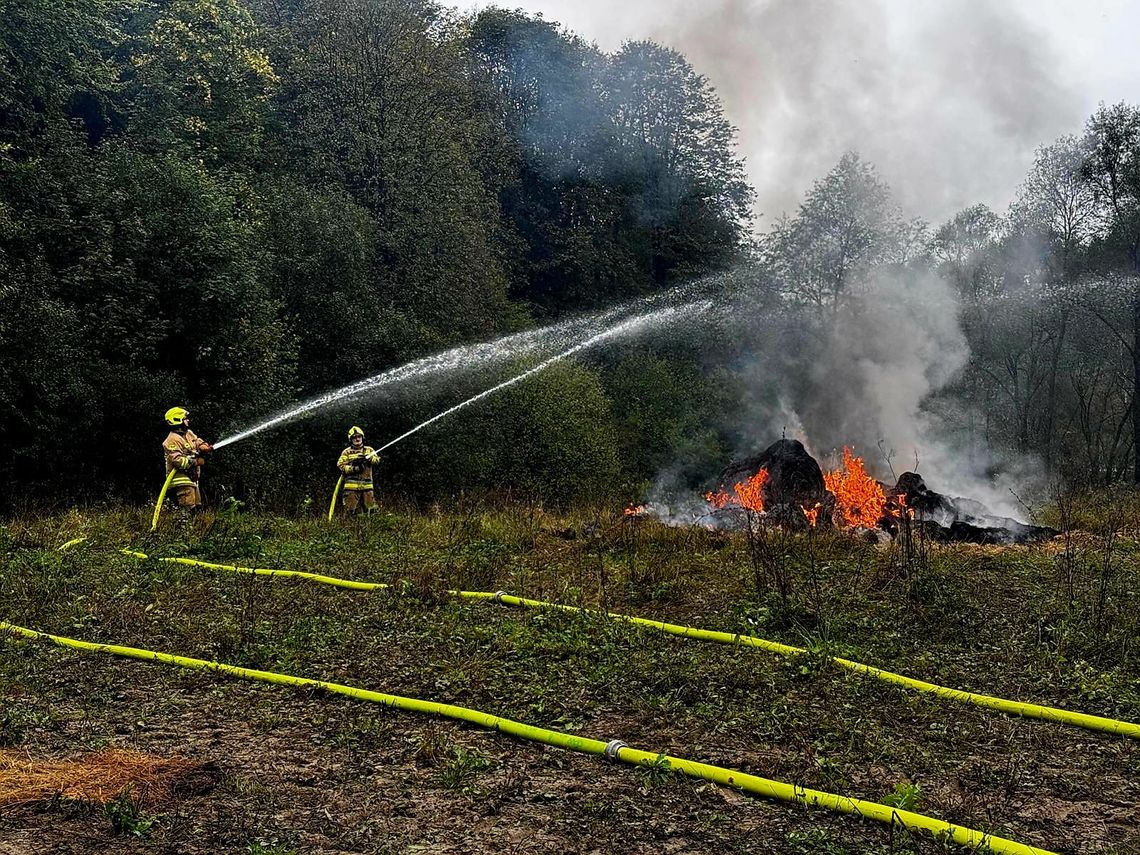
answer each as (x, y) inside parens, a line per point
(960, 520)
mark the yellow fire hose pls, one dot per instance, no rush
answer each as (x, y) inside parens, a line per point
(614, 750)
(1020, 708)
(258, 571)
(336, 492)
(161, 497)
(1003, 705)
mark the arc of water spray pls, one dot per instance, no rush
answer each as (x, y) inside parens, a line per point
(461, 358)
(464, 357)
(640, 321)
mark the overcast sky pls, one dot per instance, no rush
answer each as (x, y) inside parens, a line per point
(949, 98)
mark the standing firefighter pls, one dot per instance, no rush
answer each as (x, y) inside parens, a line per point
(356, 464)
(184, 455)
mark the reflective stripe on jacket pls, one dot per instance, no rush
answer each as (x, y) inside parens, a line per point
(357, 477)
(180, 450)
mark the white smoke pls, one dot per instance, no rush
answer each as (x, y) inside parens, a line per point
(894, 343)
(921, 91)
(950, 98)
(894, 346)
(861, 376)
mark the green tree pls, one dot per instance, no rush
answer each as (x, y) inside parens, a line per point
(672, 126)
(55, 68)
(1059, 202)
(846, 226)
(200, 80)
(664, 408)
(1112, 167)
(565, 215)
(966, 246)
(375, 98)
(551, 436)
(320, 262)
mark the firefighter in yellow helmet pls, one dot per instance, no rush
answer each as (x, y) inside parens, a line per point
(184, 455)
(356, 463)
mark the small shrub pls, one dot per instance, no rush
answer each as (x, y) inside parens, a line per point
(16, 719)
(272, 847)
(460, 771)
(432, 747)
(658, 770)
(905, 796)
(126, 817)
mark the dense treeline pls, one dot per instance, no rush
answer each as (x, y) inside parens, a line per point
(237, 203)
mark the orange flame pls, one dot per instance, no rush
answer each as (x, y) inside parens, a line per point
(900, 507)
(718, 499)
(812, 514)
(639, 510)
(748, 495)
(858, 495)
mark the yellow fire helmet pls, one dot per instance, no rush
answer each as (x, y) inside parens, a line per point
(176, 415)
(355, 431)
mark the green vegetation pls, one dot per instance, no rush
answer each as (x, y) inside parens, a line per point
(905, 797)
(125, 816)
(235, 203)
(262, 848)
(991, 619)
(461, 769)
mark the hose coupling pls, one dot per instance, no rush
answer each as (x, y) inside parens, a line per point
(612, 749)
(498, 598)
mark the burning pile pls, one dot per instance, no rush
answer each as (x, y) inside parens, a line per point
(786, 485)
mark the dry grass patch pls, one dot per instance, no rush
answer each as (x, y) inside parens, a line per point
(97, 778)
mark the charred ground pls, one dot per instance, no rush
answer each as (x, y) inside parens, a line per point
(302, 772)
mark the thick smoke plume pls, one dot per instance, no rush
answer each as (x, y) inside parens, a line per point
(949, 98)
(919, 89)
(866, 378)
(890, 347)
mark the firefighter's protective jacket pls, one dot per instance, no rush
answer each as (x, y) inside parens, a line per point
(356, 464)
(181, 450)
